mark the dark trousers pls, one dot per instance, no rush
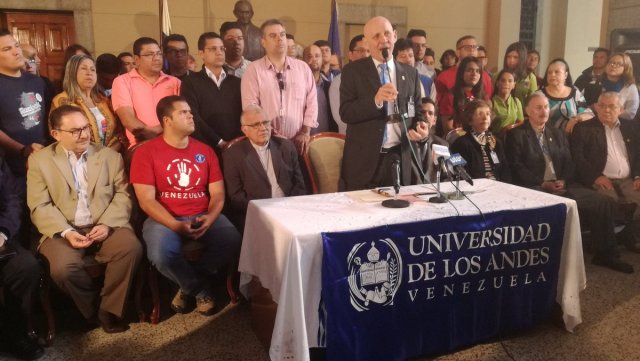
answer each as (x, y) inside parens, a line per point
(19, 278)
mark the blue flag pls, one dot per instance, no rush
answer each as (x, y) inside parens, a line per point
(334, 33)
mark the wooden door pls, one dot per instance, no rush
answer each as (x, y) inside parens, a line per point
(49, 32)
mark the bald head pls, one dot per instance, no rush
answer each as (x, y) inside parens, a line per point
(312, 55)
(378, 35)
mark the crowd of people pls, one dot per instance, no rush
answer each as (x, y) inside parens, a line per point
(201, 144)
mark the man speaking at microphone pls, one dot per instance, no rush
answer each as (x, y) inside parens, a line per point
(374, 93)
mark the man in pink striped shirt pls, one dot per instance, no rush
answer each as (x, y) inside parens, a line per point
(282, 86)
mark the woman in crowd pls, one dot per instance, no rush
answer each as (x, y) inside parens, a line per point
(515, 60)
(80, 90)
(468, 87)
(618, 77)
(507, 108)
(483, 152)
(566, 103)
(448, 59)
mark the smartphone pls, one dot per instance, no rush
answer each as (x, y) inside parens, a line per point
(196, 225)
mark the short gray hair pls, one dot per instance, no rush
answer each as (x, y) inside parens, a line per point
(251, 109)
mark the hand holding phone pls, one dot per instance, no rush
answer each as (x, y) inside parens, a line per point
(196, 224)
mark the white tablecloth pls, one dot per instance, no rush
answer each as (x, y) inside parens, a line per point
(282, 246)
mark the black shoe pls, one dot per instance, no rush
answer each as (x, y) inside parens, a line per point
(24, 348)
(613, 263)
(110, 323)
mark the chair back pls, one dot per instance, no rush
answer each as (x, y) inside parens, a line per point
(232, 142)
(323, 161)
(454, 134)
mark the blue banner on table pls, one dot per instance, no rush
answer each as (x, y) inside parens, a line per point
(428, 287)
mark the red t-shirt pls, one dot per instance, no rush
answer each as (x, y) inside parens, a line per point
(444, 87)
(181, 176)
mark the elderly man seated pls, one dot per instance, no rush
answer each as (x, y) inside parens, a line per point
(606, 151)
(260, 166)
(540, 158)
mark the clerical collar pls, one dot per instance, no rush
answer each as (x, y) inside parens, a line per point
(260, 148)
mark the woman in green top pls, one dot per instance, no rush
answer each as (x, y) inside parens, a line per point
(507, 109)
(515, 59)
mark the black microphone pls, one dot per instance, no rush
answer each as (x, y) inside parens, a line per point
(457, 163)
(395, 168)
(385, 54)
(395, 202)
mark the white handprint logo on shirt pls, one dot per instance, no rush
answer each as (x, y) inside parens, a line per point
(183, 174)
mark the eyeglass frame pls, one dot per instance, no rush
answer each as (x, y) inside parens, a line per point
(77, 132)
(264, 123)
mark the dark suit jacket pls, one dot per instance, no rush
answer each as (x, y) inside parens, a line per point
(589, 148)
(424, 151)
(11, 203)
(216, 111)
(246, 179)
(526, 160)
(470, 150)
(366, 123)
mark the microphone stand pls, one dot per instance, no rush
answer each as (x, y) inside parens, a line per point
(440, 198)
(458, 194)
(395, 202)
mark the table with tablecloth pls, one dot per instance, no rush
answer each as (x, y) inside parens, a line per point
(282, 247)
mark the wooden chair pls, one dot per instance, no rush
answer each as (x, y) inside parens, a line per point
(323, 160)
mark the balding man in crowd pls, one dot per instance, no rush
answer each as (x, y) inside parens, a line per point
(540, 158)
(260, 166)
(357, 50)
(373, 91)
(606, 150)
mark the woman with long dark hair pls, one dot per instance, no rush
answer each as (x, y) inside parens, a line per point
(468, 87)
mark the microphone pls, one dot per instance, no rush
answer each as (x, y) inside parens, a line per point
(395, 202)
(395, 168)
(457, 163)
(385, 54)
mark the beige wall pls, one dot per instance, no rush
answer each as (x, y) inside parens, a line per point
(117, 23)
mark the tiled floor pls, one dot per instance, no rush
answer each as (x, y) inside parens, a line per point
(610, 331)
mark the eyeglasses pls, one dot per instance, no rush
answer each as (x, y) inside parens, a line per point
(609, 106)
(264, 123)
(76, 132)
(468, 47)
(280, 81)
(616, 65)
(213, 49)
(180, 52)
(421, 46)
(152, 55)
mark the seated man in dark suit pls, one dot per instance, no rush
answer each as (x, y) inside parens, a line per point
(540, 158)
(19, 273)
(606, 151)
(260, 166)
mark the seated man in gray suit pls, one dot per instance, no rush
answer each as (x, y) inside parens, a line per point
(260, 166)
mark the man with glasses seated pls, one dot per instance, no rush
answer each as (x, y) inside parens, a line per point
(136, 93)
(79, 201)
(283, 87)
(465, 46)
(260, 166)
(176, 50)
(179, 185)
